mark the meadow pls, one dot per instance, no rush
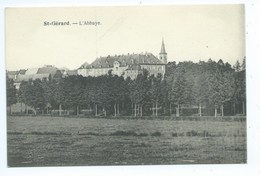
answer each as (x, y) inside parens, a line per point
(64, 141)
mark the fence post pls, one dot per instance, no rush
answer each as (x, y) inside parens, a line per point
(95, 109)
(60, 110)
(170, 109)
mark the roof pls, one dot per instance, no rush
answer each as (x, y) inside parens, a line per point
(47, 70)
(163, 48)
(124, 60)
(84, 65)
(63, 69)
(22, 71)
(31, 71)
(32, 77)
(11, 72)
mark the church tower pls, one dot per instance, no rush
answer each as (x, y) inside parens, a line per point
(163, 54)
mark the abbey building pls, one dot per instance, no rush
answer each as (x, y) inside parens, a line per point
(129, 65)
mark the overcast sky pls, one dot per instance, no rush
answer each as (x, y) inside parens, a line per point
(190, 33)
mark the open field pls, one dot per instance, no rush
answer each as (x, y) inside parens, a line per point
(59, 141)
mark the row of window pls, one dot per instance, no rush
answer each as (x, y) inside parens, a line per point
(97, 72)
(150, 67)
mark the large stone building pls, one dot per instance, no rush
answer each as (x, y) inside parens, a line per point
(129, 65)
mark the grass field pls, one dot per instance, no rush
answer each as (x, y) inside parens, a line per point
(59, 141)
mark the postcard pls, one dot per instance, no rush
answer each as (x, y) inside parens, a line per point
(126, 85)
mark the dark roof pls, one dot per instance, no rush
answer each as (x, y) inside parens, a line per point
(12, 72)
(47, 70)
(22, 71)
(32, 77)
(124, 60)
(84, 65)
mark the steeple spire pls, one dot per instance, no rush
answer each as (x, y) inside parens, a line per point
(163, 54)
(163, 48)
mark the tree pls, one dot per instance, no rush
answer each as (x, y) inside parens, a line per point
(239, 91)
(86, 97)
(205, 84)
(59, 94)
(221, 88)
(31, 93)
(48, 92)
(36, 97)
(180, 92)
(156, 93)
(220, 62)
(170, 68)
(139, 92)
(73, 92)
(23, 93)
(11, 93)
(118, 92)
(201, 91)
(243, 66)
(237, 66)
(100, 94)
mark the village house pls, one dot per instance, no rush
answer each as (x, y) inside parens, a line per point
(46, 72)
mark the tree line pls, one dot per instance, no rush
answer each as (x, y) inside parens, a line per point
(187, 88)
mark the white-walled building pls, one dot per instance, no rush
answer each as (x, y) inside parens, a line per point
(129, 65)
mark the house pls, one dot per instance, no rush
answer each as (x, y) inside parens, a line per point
(13, 74)
(46, 72)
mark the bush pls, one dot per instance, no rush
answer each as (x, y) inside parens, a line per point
(157, 133)
(128, 133)
(124, 133)
(192, 133)
(142, 134)
(175, 134)
(89, 133)
(205, 133)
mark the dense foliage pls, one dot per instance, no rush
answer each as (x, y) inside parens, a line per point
(204, 88)
(10, 93)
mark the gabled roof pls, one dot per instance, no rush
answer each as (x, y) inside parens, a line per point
(31, 71)
(47, 70)
(21, 78)
(11, 72)
(63, 69)
(22, 71)
(124, 60)
(84, 65)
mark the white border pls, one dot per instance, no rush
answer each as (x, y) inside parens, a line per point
(253, 105)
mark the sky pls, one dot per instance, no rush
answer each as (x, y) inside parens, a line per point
(190, 32)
